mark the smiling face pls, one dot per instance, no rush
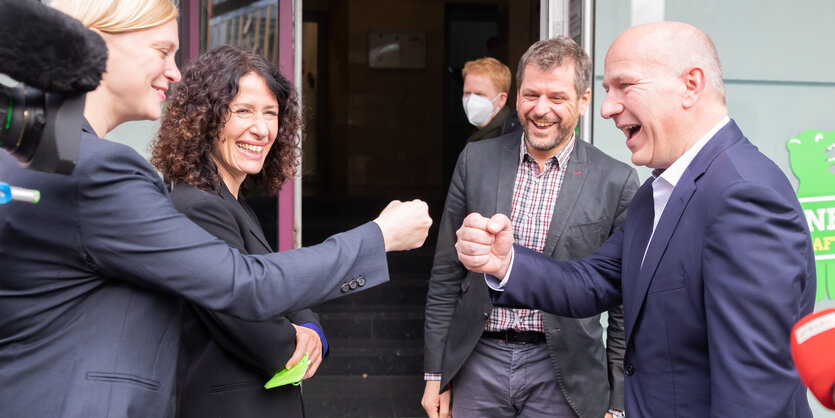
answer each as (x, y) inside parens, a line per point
(248, 133)
(140, 67)
(645, 100)
(549, 107)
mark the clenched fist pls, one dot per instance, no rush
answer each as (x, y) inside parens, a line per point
(405, 225)
(484, 244)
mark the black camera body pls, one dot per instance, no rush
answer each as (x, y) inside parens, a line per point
(41, 130)
(57, 60)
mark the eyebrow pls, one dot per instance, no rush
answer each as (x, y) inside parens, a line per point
(270, 106)
(547, 92)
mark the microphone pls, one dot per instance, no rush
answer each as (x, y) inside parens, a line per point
(813, 351)
(49, 50)
(58, 61)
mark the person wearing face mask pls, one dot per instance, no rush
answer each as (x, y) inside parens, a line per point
(94, 275)
(565, 197)
(486, 83)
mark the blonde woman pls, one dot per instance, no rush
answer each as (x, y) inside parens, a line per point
(93, 276)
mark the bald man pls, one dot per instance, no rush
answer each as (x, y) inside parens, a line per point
(713, 264)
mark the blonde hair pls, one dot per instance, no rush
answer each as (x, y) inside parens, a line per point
(118, 16)
(498, 73)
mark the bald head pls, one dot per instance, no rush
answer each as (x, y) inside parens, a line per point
(664, 90)
(678, 46)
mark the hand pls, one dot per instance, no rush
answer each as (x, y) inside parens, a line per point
(484, 244)
(405, 225)
(608, 415)
(307, 341)
(436, 405)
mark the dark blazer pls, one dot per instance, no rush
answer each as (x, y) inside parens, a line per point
(728, 272)
(591, 204)
(224, 361)
(91, 280)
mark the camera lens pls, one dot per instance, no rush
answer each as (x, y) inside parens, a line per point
(21, 120)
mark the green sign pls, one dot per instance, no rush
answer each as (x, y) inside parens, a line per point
(812, 158)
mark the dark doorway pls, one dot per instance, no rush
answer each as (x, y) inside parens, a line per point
(376, 134)
(471, 32)
(314, 96)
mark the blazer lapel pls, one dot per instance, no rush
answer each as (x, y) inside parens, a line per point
(663, 232)
(641, 214)
(247, 217)
(670, 218)
(575, 176)
(508, 167)
(256, 231)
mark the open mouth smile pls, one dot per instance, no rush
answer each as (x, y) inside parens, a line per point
(253, 149)
(630, 130)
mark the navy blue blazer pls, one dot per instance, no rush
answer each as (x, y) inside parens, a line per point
(708, 314)
(91, 280)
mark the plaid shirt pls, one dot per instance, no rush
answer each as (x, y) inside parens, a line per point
(534, 196)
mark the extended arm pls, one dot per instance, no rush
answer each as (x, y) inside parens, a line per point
(579, 288)
(130, 231)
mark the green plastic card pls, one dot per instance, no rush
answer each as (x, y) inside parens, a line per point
(292, 375)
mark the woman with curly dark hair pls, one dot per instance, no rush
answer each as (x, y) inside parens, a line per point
(232, 124)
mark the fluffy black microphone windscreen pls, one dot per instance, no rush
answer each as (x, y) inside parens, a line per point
(48, 50)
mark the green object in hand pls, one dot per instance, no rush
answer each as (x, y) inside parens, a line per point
(292, 375)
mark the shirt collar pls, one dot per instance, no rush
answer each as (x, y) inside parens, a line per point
(673, 173)
(562, 157)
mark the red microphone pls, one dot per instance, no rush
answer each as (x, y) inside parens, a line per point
(813, 350)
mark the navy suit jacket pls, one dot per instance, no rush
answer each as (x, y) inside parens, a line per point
(91, 280)
(708, 313)
(225, 361)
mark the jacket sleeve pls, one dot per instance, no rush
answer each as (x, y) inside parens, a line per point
(756, 255)
(130, 231)
(615, 335)
(447, 272)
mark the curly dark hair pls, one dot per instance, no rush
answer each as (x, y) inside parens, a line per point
(198, 108)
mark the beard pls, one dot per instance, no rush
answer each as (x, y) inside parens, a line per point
(548, 143)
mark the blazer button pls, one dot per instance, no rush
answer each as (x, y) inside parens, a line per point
(630, 369)
(361, 281)
(353, 284)
(345, 287)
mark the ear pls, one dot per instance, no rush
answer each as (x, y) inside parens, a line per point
(583, 102)
(500, 102)
(694, 86)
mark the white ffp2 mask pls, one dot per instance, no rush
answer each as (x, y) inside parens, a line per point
(478, 108)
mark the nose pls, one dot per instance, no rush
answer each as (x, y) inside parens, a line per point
(172, 73)
(611, 106)
(259, 126)
(541, 107)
